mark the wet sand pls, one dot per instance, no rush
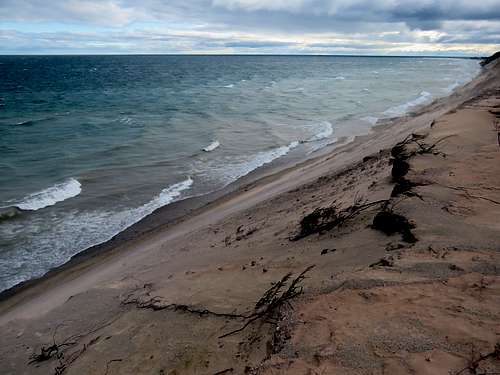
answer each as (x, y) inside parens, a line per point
(157, 298)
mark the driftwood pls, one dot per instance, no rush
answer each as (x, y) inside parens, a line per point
(269, 305)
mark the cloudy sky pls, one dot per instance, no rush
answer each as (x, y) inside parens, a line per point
(371, 27)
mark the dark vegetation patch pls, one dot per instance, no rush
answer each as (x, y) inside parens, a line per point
(391, 223)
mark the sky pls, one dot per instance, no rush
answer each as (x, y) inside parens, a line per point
(349, 27)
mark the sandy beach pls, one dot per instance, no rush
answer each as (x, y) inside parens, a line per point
(381, 256)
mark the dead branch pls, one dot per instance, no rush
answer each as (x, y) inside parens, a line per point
(325, 219)
(269, 305)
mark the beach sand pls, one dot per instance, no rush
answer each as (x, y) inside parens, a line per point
(406, 276)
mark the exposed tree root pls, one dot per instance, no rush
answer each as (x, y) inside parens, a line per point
(269, 305)
(60, 350)
(468, 194)
(157, 303)
(266, 309)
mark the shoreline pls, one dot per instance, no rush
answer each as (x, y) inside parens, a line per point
(178, 211)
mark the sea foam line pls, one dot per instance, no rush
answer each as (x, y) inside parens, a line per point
(50, 196)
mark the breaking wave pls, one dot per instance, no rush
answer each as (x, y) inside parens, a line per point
(50, 196)
(424, 98)
(212, 146)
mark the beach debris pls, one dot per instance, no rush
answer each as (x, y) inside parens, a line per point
(268, 307)
(391, 223)
(328, 218)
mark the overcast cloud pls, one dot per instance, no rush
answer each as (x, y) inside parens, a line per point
(387, 27)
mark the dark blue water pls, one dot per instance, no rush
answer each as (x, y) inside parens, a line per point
(91, 144)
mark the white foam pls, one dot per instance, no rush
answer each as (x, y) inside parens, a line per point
(340, 78)
(212, 146)
(326, 132)
(370, 119)
(229, 86)
(424, 98)
(51, 196)
(165, 197)
(77, 230)
(235, 171)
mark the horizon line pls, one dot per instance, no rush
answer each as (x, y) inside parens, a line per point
(243, 54)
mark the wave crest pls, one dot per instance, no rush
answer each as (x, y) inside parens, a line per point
(166, 196)
(212, 146)
(50, 196)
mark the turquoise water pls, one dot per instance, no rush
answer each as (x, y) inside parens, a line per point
(91, 144)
